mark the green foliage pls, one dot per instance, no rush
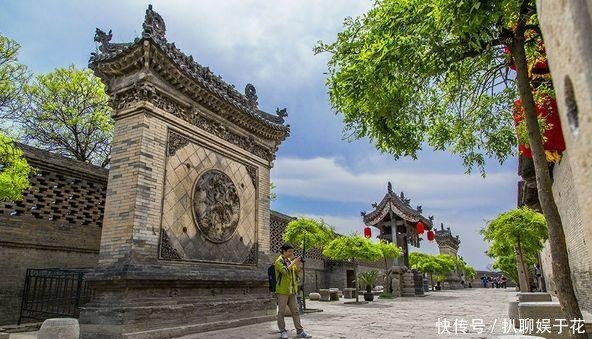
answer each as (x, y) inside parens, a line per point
(470, 272)
(352, 248)
(68, 113)
(439, 264)
(386, 295)
(13, 76)
(389, 250)
(14, 171)
(413, 72)
(368, 278)
(521, 226)
(308, 232)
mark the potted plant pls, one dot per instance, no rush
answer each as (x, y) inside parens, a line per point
(368, 278)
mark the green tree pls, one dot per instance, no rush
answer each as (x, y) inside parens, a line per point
(68, 113)
(14, 171)
(413, 72)
(352, 248)
(519, 234)
(389, 251)
(306, 233)
(506, 264)
(424, 263)
(13, 76)
(434, 265)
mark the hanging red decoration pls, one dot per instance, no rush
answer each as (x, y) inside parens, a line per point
(509, 59)
(420, 227)
(367, 232)
(554, 143)
(431, 235)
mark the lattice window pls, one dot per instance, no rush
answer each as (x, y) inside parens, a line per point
(55, 196)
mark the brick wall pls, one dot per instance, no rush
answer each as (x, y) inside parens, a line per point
(57, 224)
(579, 256)
(566, 26)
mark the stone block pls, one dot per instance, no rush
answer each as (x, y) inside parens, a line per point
(59, 328)
(325, 294)
(533, 296)
(333, 295)
(539, 310)
(349, 293)
(314, 296)
(513, 312)
(4, 336)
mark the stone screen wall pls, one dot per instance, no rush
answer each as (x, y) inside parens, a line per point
(57, 224)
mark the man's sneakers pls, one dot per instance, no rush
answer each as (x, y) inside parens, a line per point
(303, 334)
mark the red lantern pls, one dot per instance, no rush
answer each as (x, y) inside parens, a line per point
(554, 142)
(367, 232)
(431, 235)
(420, 227)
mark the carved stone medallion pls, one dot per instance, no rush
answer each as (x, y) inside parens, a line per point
(216, 206)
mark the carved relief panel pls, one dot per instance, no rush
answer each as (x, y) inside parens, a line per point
(209, 205)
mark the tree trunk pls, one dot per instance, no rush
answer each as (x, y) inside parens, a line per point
(561, 269)
(357, 282)
(432, 281)
(386, 276)
(303, 274)
(522, 269)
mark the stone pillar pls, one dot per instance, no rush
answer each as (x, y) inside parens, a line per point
(185, 239)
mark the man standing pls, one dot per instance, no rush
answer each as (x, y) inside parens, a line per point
(286, 273)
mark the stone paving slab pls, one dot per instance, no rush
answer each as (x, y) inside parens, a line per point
(392, 319)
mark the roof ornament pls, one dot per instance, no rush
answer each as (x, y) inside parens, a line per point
(431, 217)
(419, 209)
(389, 187)
(282, 113)
(153, 25)
(406, 201)
(362, 213)
(105, 40)
(374, 205)
(251, 94)
(442, 226)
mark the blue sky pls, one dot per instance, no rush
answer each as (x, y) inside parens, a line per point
(269, 44)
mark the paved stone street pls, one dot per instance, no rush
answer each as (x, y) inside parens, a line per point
(389, 319)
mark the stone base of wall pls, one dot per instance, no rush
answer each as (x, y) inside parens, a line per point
(161, 303)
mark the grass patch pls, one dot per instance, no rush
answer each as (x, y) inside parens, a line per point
(386, 296)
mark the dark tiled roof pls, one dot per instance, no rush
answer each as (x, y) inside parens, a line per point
(401, 204)
(42, 158)
(154, 31)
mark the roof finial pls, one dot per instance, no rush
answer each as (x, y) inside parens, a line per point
(442, 226)
(251, 94)
(153, 25)
(389, 187)
(419, 209)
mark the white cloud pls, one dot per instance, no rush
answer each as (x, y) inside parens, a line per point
(325, 179)
(273, 40)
